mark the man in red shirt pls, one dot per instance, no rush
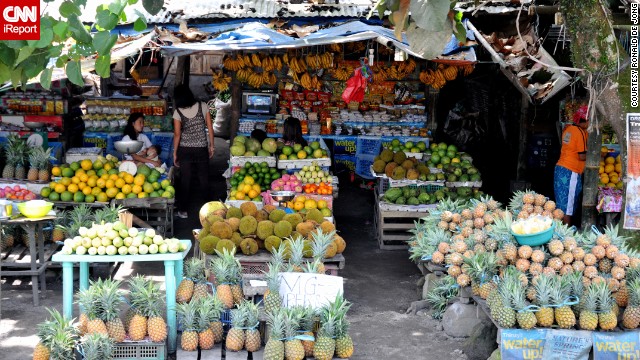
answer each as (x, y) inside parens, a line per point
(567, 182)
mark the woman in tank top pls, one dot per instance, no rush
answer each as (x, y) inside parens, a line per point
(193, 146)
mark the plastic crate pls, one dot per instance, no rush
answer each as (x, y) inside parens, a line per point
(225, 317)
(140, 350)
(363, 166)
(368, 145)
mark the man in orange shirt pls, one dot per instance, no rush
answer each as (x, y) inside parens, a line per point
(567, 182)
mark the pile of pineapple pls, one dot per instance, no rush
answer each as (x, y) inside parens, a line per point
(57, 338)
(248, 230)
(17, 153)
(528, 203)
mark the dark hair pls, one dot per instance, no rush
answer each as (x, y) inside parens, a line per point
(183, 97)
(293, 131)
(129, 129)
(259, 135)
(158, 149)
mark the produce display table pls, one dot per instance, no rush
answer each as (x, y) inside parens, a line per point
(173, 263)
(37, 264)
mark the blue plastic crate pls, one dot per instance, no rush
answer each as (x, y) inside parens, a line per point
(403, 139)
(225, 317)
(363, 166)
(368, 145)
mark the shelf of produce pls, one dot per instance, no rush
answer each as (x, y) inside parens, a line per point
(393, 228)
(33, 186)
(241, 160)
(38, 257)
(173, 263)
(471, 184)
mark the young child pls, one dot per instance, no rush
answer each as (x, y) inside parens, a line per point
(152, 153)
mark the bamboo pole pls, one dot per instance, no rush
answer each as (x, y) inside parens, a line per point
(590, 179)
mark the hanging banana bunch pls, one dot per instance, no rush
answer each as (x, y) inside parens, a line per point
(379, 74)
(334, 48)
(450, 73)
(305, 81)
(220, 81)
(234, 63)
(426, 76)
(467, 69)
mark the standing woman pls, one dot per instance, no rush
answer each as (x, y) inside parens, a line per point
(193, 146)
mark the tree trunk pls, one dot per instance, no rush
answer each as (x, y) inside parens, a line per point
(522, 137)
(590, 179)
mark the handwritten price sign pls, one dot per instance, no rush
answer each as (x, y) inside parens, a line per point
(305, 289)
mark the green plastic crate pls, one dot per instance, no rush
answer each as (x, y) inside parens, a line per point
(140, 350)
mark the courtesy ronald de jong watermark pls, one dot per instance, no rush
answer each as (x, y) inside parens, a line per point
(635, 32)
(19, 20)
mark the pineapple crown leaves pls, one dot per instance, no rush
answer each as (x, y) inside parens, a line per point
(308, 317)
(292, 321)
(632, 273)
(561, 292)
(444, 289)
(312, 267)
(57, 323)
(544, 287)
(62, 345)
(107, 214)
(519, 301)
(622, 242)
(575, 284)
(328, 326)
(110, 298)
(205, 312)
(634, 292)
(272, 277)
(97, 346)
(297, 251)
(278, 255)
(322, 240)
(253, 314)
(89, 301)
(605, 301)
(239, 317)
(428, 243)
(276, 320)
(590, 302)
(482, 267)
(194, 269)
(187, 315)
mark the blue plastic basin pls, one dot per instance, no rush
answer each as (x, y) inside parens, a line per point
(536, 239)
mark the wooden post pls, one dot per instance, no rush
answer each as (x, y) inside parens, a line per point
(590, 179)
(522, 148)
(236, 106)
(180, 70)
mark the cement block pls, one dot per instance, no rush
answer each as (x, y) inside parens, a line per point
(460, 319)
(429, 280)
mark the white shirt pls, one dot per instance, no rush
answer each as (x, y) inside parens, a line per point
(146, 143)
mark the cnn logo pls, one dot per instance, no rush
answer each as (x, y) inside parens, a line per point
(20, 20)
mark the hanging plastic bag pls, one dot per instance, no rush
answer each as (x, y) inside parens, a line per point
(357, 84)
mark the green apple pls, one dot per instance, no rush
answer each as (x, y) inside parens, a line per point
(123, 250)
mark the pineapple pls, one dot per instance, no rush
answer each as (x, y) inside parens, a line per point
(510, 252)
(293, 349)
(274, 348)
(556, 247)
(137, 324)
(631, 315)
(606, 317)
(149, 301)
(588, 319)
(325, 345)
(89, 302)
(13, 153)
(216, 306)
(110, 299)
(63, 338)
(622, 295)
(97, 347)
(204, 314)
(252, 335)
(544, 288)
(296, 247)
(187, 314)
(193, 269)
(236, 335)
(44, 173)
(34, 160)
(235, 275)
(21, 153)
(307, 323)
(525, 318)
(481, 269)
(46, 331)
(79, 216)
(503, 312)
(565, 318)
(272, 300)
(223, 276)
(58, 227)
(344, 343)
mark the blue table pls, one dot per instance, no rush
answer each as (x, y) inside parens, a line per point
(173, 264)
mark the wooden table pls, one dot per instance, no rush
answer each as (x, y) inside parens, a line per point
(38, 263)
(173, 263)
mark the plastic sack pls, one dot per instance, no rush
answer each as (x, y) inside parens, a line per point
(222, 121)
(463, 128)
(355, 89)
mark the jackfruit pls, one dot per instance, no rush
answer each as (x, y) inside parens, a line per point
(234, 222)
(340, 244)
(220, 212)
(388, 170)
(407, 164)
(272, 243)
(262, 215)
(293, 219)
(234, 212)
(248, 225)
(399, 157)
(236, 238)
(327, 227)
(398, 173)
(221, 230)
(305, 228)
(248, 208)
(277, 215)
(423, 169)
(265, 229)
(268, 208)
(331, 251)
(378, 166)
(208, 244)
(296, 235)
(412, 174)
(386, 155)
(315, 215)
(249, 246)
(307, 250)
(282, 229)
(225, 244)
(204, 232)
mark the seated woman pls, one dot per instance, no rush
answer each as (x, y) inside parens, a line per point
(292, 132)
(149, 152)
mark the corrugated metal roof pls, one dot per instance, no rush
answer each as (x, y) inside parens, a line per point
(176, 10)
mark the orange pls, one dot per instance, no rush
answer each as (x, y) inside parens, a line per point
(310, 204)
(601, 170)
(107, 167)
(102, 197)
(120, 196)
(126, 189)
(65, 181)
(75, 180)
(298, 205)
(609, 168)
(112, 192)
(249, 180)
(101, 183)
(86, 190)
(618, 168)
(120, 183)
(110, 184)
(139, 180)
(84, 178)
(52, 184)
(253, 194)
(86, 164)
(92, 181)
(246, 188)
(56, 171)
(128, 178)
(59, 188)
(302, 154)
(91, 172)
(72, 188)
(322, 204)
(114, 177)
(256, 187)
(81, 186)
(105, 177)
(143, 195)
(121, 174)
(610, 160)
(240, 195)
(137, 189)
(95, 191)
(301, 199)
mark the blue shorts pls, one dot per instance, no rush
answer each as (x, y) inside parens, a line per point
(567, 186)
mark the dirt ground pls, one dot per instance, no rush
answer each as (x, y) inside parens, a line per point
(381, 285)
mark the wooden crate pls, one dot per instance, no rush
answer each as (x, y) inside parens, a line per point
(157, 212)
(393, 228)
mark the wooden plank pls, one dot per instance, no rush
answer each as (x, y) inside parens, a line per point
(392, 226)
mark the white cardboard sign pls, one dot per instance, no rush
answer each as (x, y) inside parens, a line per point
(306, 289)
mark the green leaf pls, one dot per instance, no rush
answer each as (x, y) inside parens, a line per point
(82, 3)
(103, 65)
(5, 73)
(378, 6)
(55, 51)
(103, 41)
(117, 6)
(461, 32)
(153, 6)
(74, 73)
(60, 29)
(78, 31)
(69, 8)
(61, 61)
(140, 24)
(428, 44)
(35, 64)
(106, 20)
(132, 2)
(25, 52)
(7, 55)
(46, 37)
(15, 44)
(16, 77)
(430, 15)
(123, 17)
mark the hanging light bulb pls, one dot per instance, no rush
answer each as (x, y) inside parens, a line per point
(399, 55)
(371, 57)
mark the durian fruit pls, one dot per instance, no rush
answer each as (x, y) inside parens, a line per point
(236, 238)
(234, 223)
(315, 215)
(208, 244)
(222, 230)
(293, 219)
(272, 243)
(249, 246)
(305, 228)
